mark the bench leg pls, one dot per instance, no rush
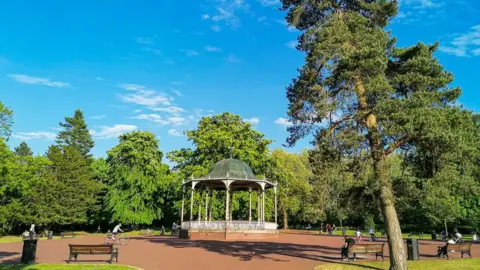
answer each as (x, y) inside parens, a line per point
(70, 258)
(76, 255)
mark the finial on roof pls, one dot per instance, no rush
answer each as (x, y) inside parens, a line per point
(228, 175)
(230, 147)
(192, 176)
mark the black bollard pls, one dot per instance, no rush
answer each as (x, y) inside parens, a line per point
(29, 251)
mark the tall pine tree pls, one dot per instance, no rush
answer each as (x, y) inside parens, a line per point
(359, 94)
(76, 134)
(23, 150)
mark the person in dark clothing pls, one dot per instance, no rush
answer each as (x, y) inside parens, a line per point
(344, 250)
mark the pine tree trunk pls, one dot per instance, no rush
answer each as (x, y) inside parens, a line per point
(387, 201)
(285, 219)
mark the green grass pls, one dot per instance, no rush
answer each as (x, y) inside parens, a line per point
(65, 266)
(464, 264)
(426, 236)
(14, 239)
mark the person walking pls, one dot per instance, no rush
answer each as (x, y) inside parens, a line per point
(174, 228)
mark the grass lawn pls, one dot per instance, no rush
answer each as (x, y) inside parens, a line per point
(64, 266)
(464, 264)
(13, 239)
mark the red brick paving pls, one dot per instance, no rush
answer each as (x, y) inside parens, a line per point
(289, 251)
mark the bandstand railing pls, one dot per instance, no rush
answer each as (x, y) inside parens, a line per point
(230, 225)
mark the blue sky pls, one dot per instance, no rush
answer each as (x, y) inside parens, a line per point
(162, 65)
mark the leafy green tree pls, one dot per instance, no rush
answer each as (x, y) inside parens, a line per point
(6, 121)
(223, 136)
(293, 175)
(76, 134)
(76, 190)
(136, 179)
(369, 96)
(23, 150)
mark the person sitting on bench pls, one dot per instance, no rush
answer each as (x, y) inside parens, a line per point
(442, 251)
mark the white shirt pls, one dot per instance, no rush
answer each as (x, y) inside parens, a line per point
(451, 241)
(458, 235)
(32, 228)
(358, 233)
(116, 229)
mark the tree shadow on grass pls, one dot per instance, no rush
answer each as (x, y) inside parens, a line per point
(247, 251)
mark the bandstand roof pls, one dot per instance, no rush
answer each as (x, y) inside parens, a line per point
(237, 172)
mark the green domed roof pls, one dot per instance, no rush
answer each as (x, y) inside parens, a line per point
(231, 168)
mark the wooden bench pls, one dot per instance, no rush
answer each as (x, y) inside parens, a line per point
(67, 234)
(463, 248)
(75, 250)
(360, 248)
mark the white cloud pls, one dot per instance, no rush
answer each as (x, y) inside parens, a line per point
(464, 44)
(289, 27)
(144, 40)
(107, 132)
(177, 121)
(171, 110)
(205, 17)
(22, 78)
(176, 92)
(175, 132)
(476, 52)
(152, 50)
(209, 48)
(100, 79)
(422, 4)
(261, 19)
(155, 118)
(189, 53)
(291, 44)
(98, 117)
(283, 122)
(269, 3)
(233, 59)
(215, 28)
(36, 135)
(144, 96)
(137, 111)
(226, 12)
(253, 120)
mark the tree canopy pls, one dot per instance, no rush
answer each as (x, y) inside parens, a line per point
(136, 175)
(76, 134)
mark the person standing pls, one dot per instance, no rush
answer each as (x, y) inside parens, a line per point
(174, 228)
(358, 234)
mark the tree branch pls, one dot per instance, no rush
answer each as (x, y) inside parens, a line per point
(396, 144)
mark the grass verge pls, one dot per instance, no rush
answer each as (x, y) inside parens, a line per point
(464, 264)
(65, 266)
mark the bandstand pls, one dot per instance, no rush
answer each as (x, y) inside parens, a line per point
(229, 175)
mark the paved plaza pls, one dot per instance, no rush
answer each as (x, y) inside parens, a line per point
(289, 251)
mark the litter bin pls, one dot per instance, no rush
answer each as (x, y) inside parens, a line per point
(50, 235)
(29, 251)
(412, 250)
(434, 235)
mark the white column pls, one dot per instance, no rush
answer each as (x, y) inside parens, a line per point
(206, 204)
(259, 205)
(250, 204)
(191, 202)
(183, 203)
(200, 207)
(263, 205)
(227, 203)
(275, 191)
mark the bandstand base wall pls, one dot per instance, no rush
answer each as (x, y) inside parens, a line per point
(228, 235)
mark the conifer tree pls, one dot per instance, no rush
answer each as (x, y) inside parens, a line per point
(23, 150)
(76, 134)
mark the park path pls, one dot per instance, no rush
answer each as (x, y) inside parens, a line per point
(289, 251)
